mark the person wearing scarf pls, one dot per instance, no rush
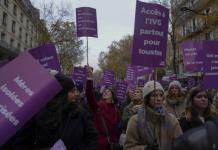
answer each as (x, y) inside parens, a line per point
(152, 128)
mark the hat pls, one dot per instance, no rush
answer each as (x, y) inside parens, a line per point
(149, 87)
(66, 82)
(175, 83)
(79, 86)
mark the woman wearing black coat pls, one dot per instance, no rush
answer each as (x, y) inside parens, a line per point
(198, 109)
(62, 119)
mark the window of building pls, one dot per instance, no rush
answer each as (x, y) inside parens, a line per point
(18, 45)
(15, 10)
(13, 26)
(209, 36)
(3, 36)
(12, 42)
(193, 24)
(183, 30)
(26, 39)
(21, 17)
(6, 3)
(20, 33)
(207, 11)
(4, 19)
(27, 24)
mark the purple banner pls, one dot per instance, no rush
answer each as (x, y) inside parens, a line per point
(25, 87)
(150, 35)
(121, 90)
(108, 78)
(211, 64)
(193, 55)
(173, 77)
(79, 74)
(141, 82)
(131, 73)
(47, 56)
(86, 22)
(141, 71)
(3, 62)
(191, 82)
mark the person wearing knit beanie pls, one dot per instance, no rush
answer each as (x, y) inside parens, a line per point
(150, 86)
(66, 83)
(158, 129)
(175, 99)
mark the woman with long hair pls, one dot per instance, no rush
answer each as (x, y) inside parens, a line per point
(175, 99)
(62, 119)
(198, 109)
(106, 115)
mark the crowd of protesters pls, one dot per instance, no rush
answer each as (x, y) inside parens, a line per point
(83, 118)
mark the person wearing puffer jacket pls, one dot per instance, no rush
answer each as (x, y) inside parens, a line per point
(152, 128)
(175, 99)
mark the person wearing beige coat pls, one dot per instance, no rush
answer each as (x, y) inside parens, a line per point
(152, 128)
(175, 99)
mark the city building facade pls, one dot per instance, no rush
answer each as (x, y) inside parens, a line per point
(194, 20)
(20, 27)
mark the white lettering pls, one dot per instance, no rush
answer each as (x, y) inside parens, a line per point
(150, 52)
(8, 115)
(151, 12)
(22, 84)
(151, 32)
(46, 58)
(151, 42)
(153, 21)
(12, 95)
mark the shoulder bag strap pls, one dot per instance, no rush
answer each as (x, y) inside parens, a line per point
(105, 126)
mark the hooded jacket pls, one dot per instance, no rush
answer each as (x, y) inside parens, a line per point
(175, 106)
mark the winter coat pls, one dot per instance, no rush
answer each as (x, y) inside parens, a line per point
(175, 106)
(107, 111)
(149, 128)
(76, 131)
(127, 114)
(193, 123)
(203, 137)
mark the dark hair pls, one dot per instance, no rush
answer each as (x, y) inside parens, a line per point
(66, 82)
(189, 101)
(114, 97)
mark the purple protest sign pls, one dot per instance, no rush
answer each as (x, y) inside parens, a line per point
(191, 82)
(79, 74)
(211, 54)
(108, 78)
(47, 56)
(24, 89)
(121, 90)
(193, 55)
(3, 62)
(141, 71)
(211, 64)
(86, 22)
(150, 35)
(141, 82)
(173, 77)
(131, 73)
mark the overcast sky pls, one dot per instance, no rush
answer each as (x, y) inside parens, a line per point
(115, 19)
